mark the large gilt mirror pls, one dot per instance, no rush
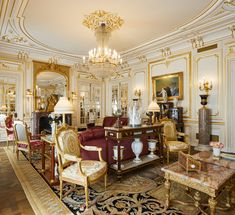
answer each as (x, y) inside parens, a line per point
(51, 81)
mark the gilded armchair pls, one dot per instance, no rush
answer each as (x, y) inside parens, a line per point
(72, 168)
(170, 138)
(24, 141)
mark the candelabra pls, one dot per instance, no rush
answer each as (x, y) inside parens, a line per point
(205, 86)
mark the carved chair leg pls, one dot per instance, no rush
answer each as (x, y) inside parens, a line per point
(17, 153)
(30, 156)
(14, 146)
(105, 180)
(189, 150)
(61, 188)
(168, 156)
(86, 195)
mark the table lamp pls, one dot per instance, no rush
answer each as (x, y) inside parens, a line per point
(153, 108)
(63, 107)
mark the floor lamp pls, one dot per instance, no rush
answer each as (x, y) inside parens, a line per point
(63, 107)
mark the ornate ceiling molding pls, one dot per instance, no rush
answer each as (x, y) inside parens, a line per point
(111, 21)
(13, 32)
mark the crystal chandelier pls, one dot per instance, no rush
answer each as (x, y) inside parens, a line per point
(102, 61)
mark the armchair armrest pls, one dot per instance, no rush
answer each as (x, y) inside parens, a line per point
(9, 129)
(93, 148)
(72, 158)
(75, 159)
(186, 137)
(181, 134)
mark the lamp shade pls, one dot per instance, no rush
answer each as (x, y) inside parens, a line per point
(63, 106)
(153, 107)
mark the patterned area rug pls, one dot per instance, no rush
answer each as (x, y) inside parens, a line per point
(130, 196)
(140, 192)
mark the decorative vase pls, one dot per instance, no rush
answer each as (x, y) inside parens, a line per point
(137, 147)
(152, 148)
(134, 113)
(216, 151)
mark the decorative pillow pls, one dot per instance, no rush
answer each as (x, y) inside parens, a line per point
(109, 121)
(98, 132)
(86, 135)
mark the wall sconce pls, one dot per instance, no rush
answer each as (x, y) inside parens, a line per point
(29, 93)
(205, 86)
(73, 95)
(137, 93)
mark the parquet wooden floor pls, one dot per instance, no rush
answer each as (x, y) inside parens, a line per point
(13, 200)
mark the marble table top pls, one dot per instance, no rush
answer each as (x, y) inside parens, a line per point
(211, 175)
(208, 157)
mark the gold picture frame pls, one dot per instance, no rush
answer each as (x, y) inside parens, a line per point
(172, 83)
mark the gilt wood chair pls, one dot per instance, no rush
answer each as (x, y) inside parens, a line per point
(72, 168)
(24, 141)
(170, 138)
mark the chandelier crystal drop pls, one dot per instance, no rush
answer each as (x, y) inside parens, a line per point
(102, 61)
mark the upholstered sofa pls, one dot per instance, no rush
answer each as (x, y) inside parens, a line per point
(96, 137)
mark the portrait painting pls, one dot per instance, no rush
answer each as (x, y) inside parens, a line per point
(170, 85)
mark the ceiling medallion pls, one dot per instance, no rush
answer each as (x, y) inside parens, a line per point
(102, 61)
(95, 19)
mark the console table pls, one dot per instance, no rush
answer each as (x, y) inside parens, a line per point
(211, 180)
(126, 132)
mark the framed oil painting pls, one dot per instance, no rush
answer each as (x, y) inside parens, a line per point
(172, 84)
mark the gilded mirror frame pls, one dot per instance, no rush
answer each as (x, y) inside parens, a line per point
(39, 67)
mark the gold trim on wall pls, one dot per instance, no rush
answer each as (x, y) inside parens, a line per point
(39, 67)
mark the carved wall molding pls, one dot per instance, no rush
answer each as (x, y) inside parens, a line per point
(197, 42)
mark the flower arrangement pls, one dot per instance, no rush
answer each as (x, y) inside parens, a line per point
(217, 145)
(54, 118)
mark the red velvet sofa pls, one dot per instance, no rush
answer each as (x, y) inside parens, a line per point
(95, 137)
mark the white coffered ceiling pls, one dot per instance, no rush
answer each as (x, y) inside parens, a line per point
(56, 25)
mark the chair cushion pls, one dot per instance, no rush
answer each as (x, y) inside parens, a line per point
(36, 143)
(176, 145)
(22, 145)
(93, 169)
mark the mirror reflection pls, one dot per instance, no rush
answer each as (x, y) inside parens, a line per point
(7, 97)
(49, 87)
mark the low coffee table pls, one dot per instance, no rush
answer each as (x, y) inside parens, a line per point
(211, 180)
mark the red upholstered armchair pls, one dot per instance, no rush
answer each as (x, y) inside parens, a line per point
(24, 141)
(8, 127)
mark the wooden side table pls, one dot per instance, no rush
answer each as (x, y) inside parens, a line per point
(47, 140)
(126, 132)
